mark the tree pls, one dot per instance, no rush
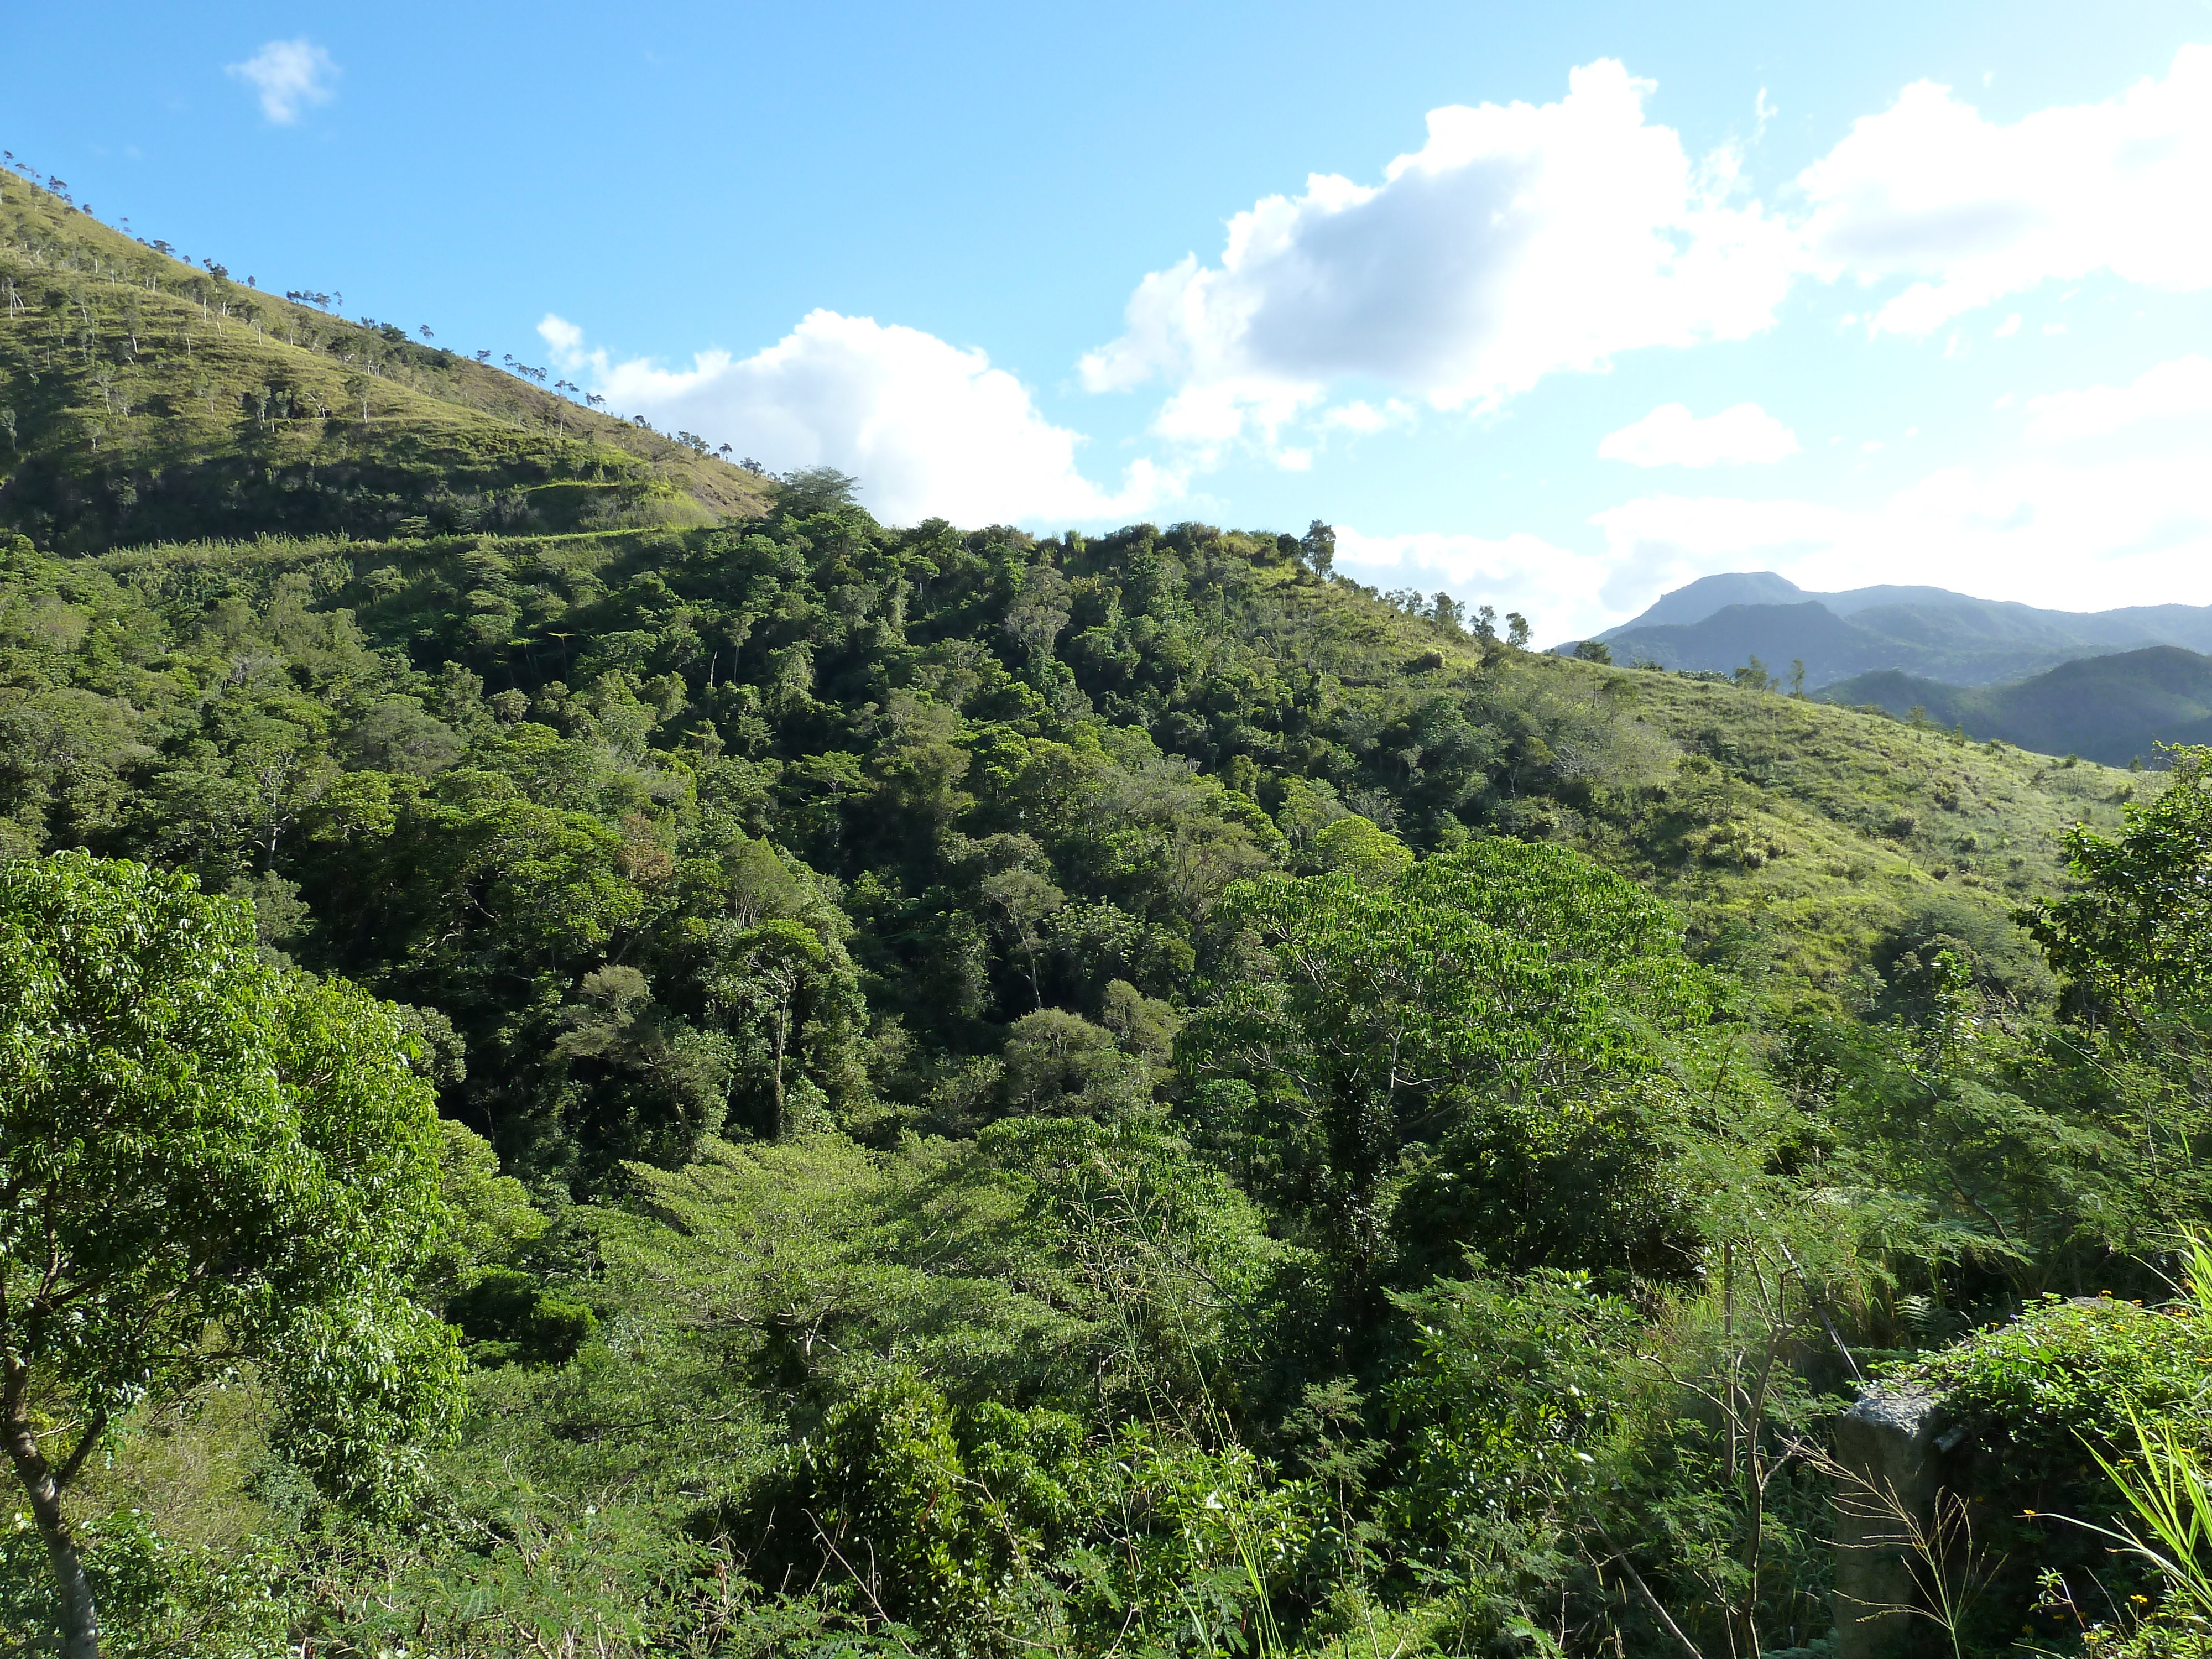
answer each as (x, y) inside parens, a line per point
(1478, 1049)
(2137, 937)
(1594, 651)
(1318, 548)
(204, 1162)
(811, 489)
(1364, 850)
(646, 1084)
(1516, 630)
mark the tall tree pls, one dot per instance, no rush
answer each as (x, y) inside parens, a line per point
(203, 1160)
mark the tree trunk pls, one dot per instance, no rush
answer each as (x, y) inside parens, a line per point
(80, 1618)
(781, 1022)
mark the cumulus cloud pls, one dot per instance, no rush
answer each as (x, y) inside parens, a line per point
(2172, 391)
(1973, 211)
(1671, 436)
(2135, 531)
(928, 428)
(1520, 240)
(566, 339)
(290, 77)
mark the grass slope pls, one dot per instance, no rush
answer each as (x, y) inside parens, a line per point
(141, 400)
(1811, 838)
(2112, 708)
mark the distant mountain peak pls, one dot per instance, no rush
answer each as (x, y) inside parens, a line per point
(1719, 623)
(1708, 595)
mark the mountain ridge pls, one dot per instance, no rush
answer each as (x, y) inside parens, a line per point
(2115, 709)
(1718, 622)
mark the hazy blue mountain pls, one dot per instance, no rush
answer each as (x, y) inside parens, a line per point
(1709, 594)
(1721, 622)
(2112, 708)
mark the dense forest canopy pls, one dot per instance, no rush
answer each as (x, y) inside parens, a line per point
(999, 1093)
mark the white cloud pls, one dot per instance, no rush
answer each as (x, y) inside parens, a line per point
(2091, 535)
(566, 339)
(1520, 240)
(2131, 531)
(1973, 211)
(1361, 416)
(1524, 240)
(928, 428)
(1671, 436)
(2172, 391)
(290, 77)
(1551, 585)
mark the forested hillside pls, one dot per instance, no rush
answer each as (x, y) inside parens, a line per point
(2117, 708)
(797, 1085)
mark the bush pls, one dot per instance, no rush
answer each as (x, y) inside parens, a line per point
(2035, 1399)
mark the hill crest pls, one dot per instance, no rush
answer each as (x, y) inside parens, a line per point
(143, 400)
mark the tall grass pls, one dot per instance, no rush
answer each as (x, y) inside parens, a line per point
(2167, 1484)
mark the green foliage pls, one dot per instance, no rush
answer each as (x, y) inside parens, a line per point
(1496, 1415)
(507, 1317)
(987, 1534)
(157, 1598)
(207, 1161)
(1481, 1049)
(173, 1105)
(985, 1057)
(2139, 934)
(2050, 1405)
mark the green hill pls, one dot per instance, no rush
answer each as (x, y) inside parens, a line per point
(808, 912)
(798, 668)
(141, 400)
(2116, 708)
(1075, 1096)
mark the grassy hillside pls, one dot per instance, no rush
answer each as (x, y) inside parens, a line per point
(2114, 709)
(1818, 839)
(141, 400)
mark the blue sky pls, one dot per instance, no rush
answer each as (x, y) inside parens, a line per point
(1885, 294)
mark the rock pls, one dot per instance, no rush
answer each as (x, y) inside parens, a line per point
(1891, 1444)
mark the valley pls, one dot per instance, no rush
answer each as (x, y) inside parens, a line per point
(602, 1053)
